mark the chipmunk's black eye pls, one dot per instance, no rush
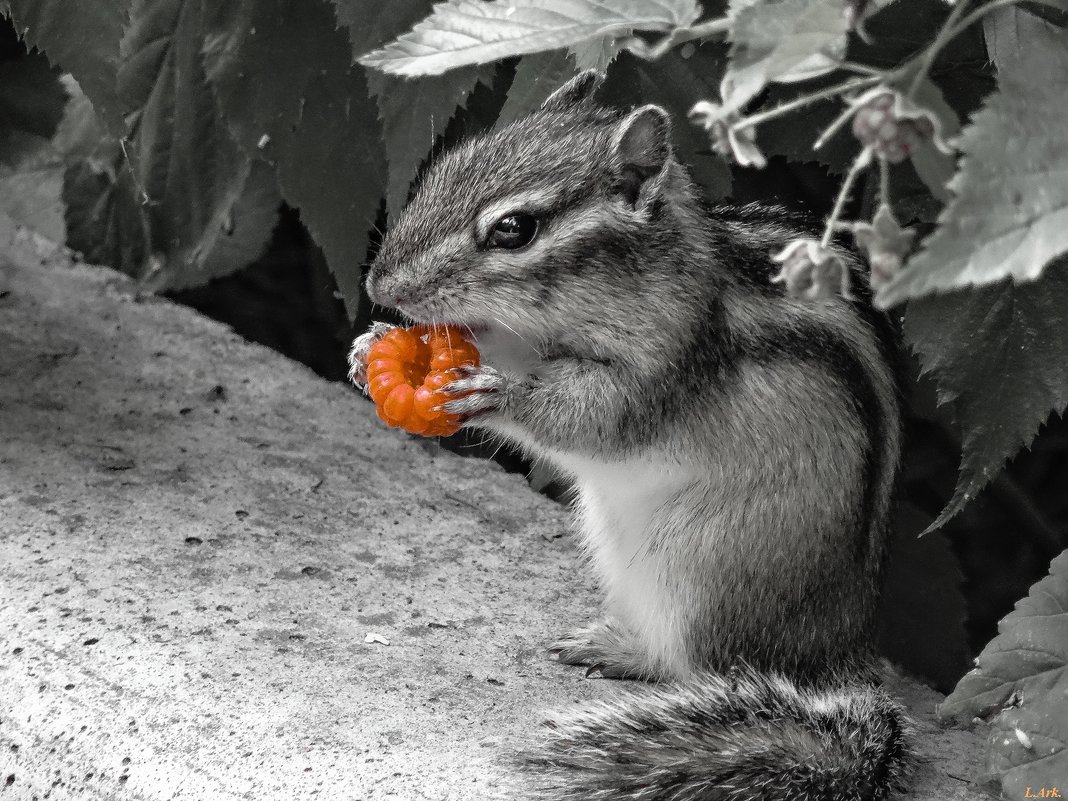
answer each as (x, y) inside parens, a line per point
(513, 231)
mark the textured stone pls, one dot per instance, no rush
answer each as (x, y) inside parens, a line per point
(203, 547)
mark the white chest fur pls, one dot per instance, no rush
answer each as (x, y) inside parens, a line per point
(621, 509)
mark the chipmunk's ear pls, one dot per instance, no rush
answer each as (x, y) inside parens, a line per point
(575, 93)
(642, 148)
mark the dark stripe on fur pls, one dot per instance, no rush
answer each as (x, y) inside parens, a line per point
(823, 348)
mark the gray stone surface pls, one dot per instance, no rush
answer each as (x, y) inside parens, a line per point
(205, 549)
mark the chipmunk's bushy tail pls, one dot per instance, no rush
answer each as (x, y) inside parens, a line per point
(749, 737)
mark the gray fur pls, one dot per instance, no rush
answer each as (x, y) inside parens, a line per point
(756, 738)
(576, 93)
(734, 450)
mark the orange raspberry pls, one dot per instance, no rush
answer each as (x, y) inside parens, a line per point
(407, 367)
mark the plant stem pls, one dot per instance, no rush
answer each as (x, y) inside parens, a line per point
(145, 199)
(835, 125)
(861, 162)
(954, 26)
(704, 30)
(941, 40)
(804, 100)
(884, 182)
(863, 69)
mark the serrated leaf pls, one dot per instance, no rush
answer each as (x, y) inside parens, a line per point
(792, 135)
(934, 167)
(311, 117)
(81, 132)
(237, 234)
(185, 165)
(1000, 355)
(536, 77)
(30, 195)
(31, 105)
(104, 220)
(31, 183)
(596, 53)
(675, 82)
(464, 32)
(413, 114)
(1022, 677)
(1028, 747)
(1009, 214)
(372, 23)
(782, 41)
(1011, 32)
(83, 38)
(1028, 657)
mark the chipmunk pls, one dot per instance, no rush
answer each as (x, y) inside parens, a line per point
(733, 451)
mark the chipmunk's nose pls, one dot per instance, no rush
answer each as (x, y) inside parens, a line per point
(385, 290)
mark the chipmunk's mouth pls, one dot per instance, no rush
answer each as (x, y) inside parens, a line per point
(475, 328)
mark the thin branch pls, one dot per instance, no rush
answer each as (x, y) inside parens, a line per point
(863, 69)
(940, 41)
(804, 100)
(705, 30)
(860, 163)
(884, 182)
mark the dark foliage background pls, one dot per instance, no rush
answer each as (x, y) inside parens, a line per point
(300, 295)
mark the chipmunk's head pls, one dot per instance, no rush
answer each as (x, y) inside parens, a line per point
(525, 226)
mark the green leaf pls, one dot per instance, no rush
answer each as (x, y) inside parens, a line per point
(1028, 747)
(82, 37)
(934, 167)
(185, 165)
(237, 234)
(1028, 657)
(413, 114)
(1009, 214)
(793, 135)
(30, 194)
(676, 82)
(372, 23)
(104, 220)
(284, 78)
(595, 54)
(464, 32)
(81, 132)
(1022, 677)
(31, 105)
(1000, 355)
(782, 41)
(1010, 32)
(31, 182)
(537, 76)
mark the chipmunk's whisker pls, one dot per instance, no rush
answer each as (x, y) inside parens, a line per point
(520, 336)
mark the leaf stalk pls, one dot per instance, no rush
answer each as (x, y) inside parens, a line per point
(705, 30)
(860, 163)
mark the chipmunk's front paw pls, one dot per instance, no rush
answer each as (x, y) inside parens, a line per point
(361, 346)
(476, 391)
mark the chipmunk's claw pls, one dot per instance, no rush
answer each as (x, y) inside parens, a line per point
(477, 391)
(361, 347)
(605, 650)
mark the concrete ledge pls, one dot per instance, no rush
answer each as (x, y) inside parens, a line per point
(206, 548)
